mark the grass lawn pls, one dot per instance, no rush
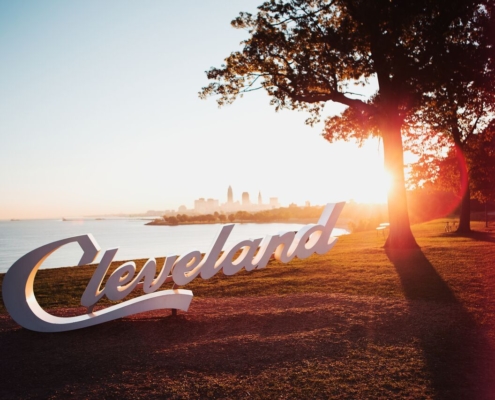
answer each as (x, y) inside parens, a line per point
(357, 322)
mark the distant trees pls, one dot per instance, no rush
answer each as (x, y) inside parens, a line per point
(243, 216)
(482, 171)
(184, 218)
(305, 53)
(468, 172)
(429, 203)
(171, 220)
(274, 215)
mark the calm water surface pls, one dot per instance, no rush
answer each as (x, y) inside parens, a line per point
(133, 237)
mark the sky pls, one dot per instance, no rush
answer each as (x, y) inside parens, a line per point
(100, 114)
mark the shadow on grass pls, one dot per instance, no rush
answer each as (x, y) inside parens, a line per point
(478, 236)
(301, 346)
(459, 357)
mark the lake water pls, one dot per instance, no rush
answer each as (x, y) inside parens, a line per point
(134, 238)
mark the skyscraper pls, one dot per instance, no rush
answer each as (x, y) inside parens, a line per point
(230, 196)
(245, 199)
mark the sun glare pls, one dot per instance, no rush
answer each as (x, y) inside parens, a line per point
(374, 190)
(387, 181)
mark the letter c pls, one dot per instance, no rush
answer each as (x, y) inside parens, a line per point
(21, 303)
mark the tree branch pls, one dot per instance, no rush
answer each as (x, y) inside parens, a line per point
(334, 96)
(475, 124)
(296, 18)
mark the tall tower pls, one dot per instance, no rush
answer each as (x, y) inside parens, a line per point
(260, 201)
(230, 196)
(245, 199)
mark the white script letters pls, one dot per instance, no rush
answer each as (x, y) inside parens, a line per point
(251, 254)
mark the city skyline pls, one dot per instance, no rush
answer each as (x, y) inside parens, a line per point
(203, 205)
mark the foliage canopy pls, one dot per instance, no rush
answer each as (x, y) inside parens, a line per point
(305, 53)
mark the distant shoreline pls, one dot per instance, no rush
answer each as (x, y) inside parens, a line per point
(341, 223)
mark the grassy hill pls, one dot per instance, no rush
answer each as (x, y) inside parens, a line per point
(354, 323)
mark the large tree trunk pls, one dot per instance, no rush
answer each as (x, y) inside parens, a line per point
(400, 234)
(465, 216)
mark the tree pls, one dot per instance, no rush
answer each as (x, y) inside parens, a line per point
(477, 160)
(243, 216)
(460, 102)
(481, 155)
(464, 118)
(438, 171)
(172, 220)
(182, 218)
(306, 53)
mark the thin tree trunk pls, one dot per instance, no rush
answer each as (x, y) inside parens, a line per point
(486, 214)
(465, 217)
(400, 234)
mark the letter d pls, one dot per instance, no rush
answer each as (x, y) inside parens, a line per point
(328, 219)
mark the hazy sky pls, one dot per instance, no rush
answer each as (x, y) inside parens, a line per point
(99, 114)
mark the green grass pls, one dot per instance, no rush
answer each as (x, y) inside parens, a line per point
(357, 265)
(418, 324)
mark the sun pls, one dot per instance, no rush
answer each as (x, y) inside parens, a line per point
(373, 187)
